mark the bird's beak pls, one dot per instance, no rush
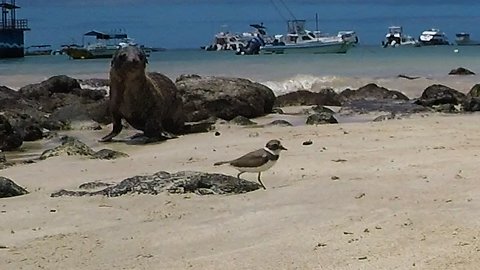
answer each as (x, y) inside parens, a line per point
(283, 148)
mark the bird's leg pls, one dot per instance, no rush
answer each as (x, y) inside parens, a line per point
(261, 181)
(238, 175)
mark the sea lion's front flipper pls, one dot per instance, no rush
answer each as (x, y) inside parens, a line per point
(117, 128)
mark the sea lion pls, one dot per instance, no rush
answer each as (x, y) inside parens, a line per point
(147, 101)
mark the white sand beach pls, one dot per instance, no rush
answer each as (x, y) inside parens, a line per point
(399, 194)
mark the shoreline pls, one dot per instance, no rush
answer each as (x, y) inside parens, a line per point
(412, 88)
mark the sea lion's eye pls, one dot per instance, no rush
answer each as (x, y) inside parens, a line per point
(122, 57)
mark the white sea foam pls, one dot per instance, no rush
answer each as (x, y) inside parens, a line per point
(302, 82)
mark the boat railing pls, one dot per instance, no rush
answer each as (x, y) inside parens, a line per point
(21, 24)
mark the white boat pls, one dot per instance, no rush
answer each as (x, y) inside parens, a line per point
(463, 39)
(349, 36)
(104, 46)
(433, 37)
(226, 40)
(300, 40)
(395, 37)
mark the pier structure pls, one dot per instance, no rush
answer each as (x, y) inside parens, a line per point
(11, 31)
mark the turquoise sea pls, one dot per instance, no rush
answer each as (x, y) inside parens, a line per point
(283, 73)
(182, 26)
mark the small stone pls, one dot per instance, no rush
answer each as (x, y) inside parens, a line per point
(242, 121)
(360, 195)
(335, 178)
(108, 154)
(53, 210)
(309, 142)
(277, 111)
(217, 133)
(281, 123)
(362, 258)
(253, 134)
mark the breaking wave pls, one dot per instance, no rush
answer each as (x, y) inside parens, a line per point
(308, 82)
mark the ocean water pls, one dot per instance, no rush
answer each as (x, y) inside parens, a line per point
(182, 26)
(282, 73)
(192, 23)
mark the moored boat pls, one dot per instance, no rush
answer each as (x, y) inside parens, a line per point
(433, 37)
(395, 37)
(38, 50)
(105, 45)
(300, 40)
(226, 40)
(463, 39)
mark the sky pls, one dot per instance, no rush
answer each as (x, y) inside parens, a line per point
(193, 23)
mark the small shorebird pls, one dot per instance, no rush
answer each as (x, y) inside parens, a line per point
(257, 161)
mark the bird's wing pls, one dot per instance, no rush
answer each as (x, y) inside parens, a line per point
(252, 159)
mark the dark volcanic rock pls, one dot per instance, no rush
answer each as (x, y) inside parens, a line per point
(55, 84)
(94, 185)
(391, 106)
(321, 118)
(8, 188)
(73, 147)
(180, 182)
(70, 147)
(9, 138)
(322, 109)
(280, 122)
(97, 111)
(242, 121)
(326, 97)
(472, 101)
(51, 105)
(225, 98)
(461, 71)
(108, 154)
(438, 94)
(371, 92)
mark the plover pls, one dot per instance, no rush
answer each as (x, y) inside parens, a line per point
(257, 161)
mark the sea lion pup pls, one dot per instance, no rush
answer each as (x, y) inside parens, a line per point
(147, 101)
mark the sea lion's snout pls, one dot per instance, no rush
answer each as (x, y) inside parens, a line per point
(129, 56)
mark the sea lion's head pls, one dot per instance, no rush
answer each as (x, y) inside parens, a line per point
(129, 58)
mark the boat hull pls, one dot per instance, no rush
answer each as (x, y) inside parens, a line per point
(82, 53)
(468, 43)
(434, 43)
(312, 47)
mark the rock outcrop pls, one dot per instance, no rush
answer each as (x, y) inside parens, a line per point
(180, 182)
(73, 147)
(371, 92)
(221, 97)
(438, 94)
(9, 138)
(461, 71)
(326, 96)
(8, 188)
